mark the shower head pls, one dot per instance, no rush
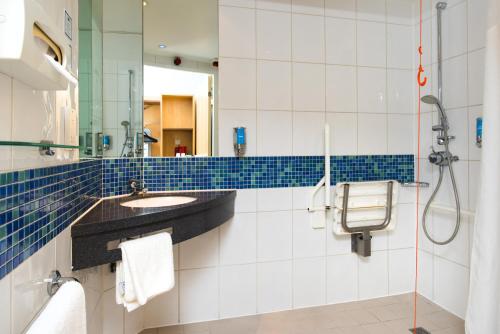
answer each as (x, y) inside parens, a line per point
(431, 99)
(441, 5)
(125, 123)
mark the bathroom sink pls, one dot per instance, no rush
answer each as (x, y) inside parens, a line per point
(158, 202)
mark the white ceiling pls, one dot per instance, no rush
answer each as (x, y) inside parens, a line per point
(187, 27)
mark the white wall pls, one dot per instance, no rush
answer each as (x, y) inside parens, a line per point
(35, 115)
(444, 270)
(286, 68)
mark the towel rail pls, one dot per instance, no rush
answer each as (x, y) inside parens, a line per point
(55, 281)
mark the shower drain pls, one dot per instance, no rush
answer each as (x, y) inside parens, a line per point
(419, 330)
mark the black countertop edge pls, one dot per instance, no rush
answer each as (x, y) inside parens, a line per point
(110, 216)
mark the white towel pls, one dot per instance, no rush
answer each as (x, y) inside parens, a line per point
(146, 270)
(65, 312)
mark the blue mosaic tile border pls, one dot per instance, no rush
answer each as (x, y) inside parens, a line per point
(117, 173)
(164, 174)
(37, 204)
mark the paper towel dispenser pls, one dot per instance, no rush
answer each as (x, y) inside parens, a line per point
(34, 48)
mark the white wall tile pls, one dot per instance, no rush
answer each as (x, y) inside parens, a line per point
(280, 5)
(477, 11)
(455, 82)
(201, 251)
(425, 285)
(343, 133)
(129, 20)
(309, 282)
(442, 228)
(274, 236)
(301, 197)
(274, 286)
(371, 43)
(274, 133)
(342, 278)
(400, 134)
(400, 86)
(238, 3)
(459, 121)
(274, 199)
(164, 309)
(451, 286)
(308, 38)
(238, 290)
(308, 133)
(340, 41)
(337, 244)
(133, 321)
(246, 200)
(238, 239)
(5, 304)
(373, 275)
(372, 130)
(307, 242)
(112, 313)
(228, 119)
(372, 10)
(6, 124)
(27, 299)
(274, 85)
(341, 89)
(313, 7)
(445, 195)
(308, 87)
(455, 30)
(474, 177)
(372, 96)
(401, 12)
(403, 236)
(401, 271)
(476, 77)
(341, 8)
(198, 291)
(274, 35)
(237, 83)
(236, 32)
(400, 47)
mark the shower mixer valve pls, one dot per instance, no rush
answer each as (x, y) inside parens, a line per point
(441, 158)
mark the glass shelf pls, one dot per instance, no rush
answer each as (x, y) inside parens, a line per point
(44, 147)
(41, 144)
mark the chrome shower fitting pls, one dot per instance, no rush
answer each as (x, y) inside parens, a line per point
(442, 159)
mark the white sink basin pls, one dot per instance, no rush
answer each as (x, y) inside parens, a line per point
(158, 202)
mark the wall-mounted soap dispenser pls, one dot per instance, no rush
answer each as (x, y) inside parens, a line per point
(479, 131)
(36, 44)
(239, 140)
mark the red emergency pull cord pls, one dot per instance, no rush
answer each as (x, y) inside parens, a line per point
(421, 82)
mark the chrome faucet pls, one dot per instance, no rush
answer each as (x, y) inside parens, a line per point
(137, 186)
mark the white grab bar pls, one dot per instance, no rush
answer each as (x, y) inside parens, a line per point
(447, 209)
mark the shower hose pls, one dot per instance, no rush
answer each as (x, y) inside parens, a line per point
(457, 206)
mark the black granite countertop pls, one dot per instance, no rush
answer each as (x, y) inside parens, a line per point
(110, 221)
(109, 215)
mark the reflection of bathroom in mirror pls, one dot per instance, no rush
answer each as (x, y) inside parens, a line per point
(180, 77)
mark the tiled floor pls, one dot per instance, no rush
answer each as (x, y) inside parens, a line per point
(389, 315)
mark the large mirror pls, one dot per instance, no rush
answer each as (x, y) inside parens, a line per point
(180, 77)
(148, 77)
